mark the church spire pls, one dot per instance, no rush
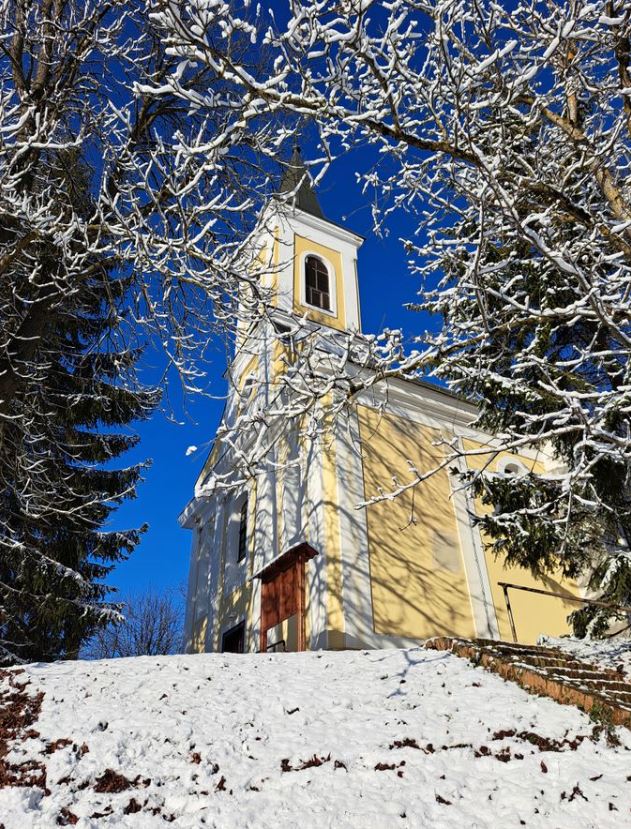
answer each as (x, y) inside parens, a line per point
(297, 180)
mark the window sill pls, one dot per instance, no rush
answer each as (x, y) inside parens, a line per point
(320, 310)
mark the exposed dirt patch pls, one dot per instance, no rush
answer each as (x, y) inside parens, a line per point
(391, 767)
(132, 807)
(97, 815)
(406, 742)
(111, 782)
(312, 762)
(506, 753)
(51, 748)
(18, 711)
(542, 743)
(576, 792)
(67, 818)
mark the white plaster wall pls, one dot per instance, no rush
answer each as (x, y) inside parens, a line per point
(190, 594)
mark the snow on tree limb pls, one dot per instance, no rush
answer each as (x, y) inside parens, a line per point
(506, 135)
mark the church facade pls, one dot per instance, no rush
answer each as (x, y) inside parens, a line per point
(288, 561)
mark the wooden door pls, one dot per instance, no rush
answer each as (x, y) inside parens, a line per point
(283, 592)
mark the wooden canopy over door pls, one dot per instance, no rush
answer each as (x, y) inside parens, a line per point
(283, 591)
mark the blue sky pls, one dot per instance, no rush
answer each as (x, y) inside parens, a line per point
(161, 560)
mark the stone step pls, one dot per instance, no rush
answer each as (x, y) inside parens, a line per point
(550, 672)
(545, 657)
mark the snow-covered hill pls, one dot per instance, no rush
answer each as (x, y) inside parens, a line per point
(373, 739)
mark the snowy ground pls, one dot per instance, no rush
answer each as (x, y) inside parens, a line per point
(372, 739)
(612, 653)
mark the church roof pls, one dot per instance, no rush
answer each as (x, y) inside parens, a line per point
(297, 180)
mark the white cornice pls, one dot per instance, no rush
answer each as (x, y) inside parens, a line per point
(191, 512)
(287, 213)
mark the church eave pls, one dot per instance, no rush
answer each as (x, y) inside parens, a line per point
(325, 225)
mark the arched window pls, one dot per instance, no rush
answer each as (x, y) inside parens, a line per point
(511, 469)
(317, 290)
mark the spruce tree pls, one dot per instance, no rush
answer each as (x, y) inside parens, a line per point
(61, 433)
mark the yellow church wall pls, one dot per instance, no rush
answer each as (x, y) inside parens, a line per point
(198, 639)
(251, 367)
(533, 614)
(280, 359)
(332, 538)
(211, 460)
(418, 581)
(275, 263)
(303, 246)
(260, 269)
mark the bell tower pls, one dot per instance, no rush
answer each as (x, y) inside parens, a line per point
(264, 543)
(315, 258)
(308, 267)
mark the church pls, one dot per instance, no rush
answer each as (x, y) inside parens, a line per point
(288, 561)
